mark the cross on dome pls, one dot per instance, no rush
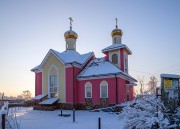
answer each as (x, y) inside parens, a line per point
(71, 20)
(116, 33)
(116, 22)
(70, 37)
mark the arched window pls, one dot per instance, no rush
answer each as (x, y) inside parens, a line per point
(53, 82)
(104, 89)
(88, 90)
(115, 59)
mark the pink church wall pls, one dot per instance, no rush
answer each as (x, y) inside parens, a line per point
(96, 90)
(121, 90)
(107, 55)
(69, 88)
(76, 72)
(69, 83)
(131, 95)
(38, 83)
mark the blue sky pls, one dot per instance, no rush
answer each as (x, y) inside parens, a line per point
(28, 29)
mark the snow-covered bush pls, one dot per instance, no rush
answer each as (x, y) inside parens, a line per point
(11, 121)
(172, 98)
(144, 113)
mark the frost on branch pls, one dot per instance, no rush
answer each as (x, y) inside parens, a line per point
(142, 113)
(172, 97)
(11, 121)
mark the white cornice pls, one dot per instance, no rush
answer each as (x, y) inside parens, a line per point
(97, 77)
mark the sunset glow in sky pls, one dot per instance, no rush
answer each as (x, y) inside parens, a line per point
(29, 28)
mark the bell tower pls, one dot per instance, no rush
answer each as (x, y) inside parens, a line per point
(117, 53)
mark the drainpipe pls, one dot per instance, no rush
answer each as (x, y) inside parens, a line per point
(116, 90)
(73, 89)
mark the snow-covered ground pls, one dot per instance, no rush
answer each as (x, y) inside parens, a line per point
(34, 119)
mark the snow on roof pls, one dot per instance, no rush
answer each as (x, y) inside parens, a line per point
(49, 101)
(70, 56)
(170, 76)
(35, 68)
(99, 67)
(132, 84)
(116, 46)
(38, 97)
(158, 87)
(127, 75)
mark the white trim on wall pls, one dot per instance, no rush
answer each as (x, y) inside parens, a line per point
(43, 84)
(98, 77)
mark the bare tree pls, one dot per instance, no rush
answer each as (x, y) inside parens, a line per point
(20, 97)
(0, 95)
(26, 95)
(152, 84)
(141, 82)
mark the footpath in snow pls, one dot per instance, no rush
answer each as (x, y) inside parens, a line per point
(35, 119)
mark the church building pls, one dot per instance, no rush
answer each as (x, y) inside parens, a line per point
(79, 81)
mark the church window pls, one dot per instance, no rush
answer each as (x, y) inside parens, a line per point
(53, 86)
(88, 90)
(115, 59)
(53, 82)
(104, 89)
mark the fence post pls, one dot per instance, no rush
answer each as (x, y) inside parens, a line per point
(99, 122)
(3, 115)
(73, 115)
(61, 111)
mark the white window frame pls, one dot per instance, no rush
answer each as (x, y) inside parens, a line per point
(119, 57)
(49, 85)
(101, 85)
(87, 84)
(53, 88)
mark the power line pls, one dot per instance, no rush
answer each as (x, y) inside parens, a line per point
(144, 72)
(169, 67)
(176, 69)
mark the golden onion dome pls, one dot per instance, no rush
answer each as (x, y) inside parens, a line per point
(116, 32)
(70, 34)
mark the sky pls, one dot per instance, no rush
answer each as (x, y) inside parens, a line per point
(29, 28)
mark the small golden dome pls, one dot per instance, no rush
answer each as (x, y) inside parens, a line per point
(70, 34)
(116, 32)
